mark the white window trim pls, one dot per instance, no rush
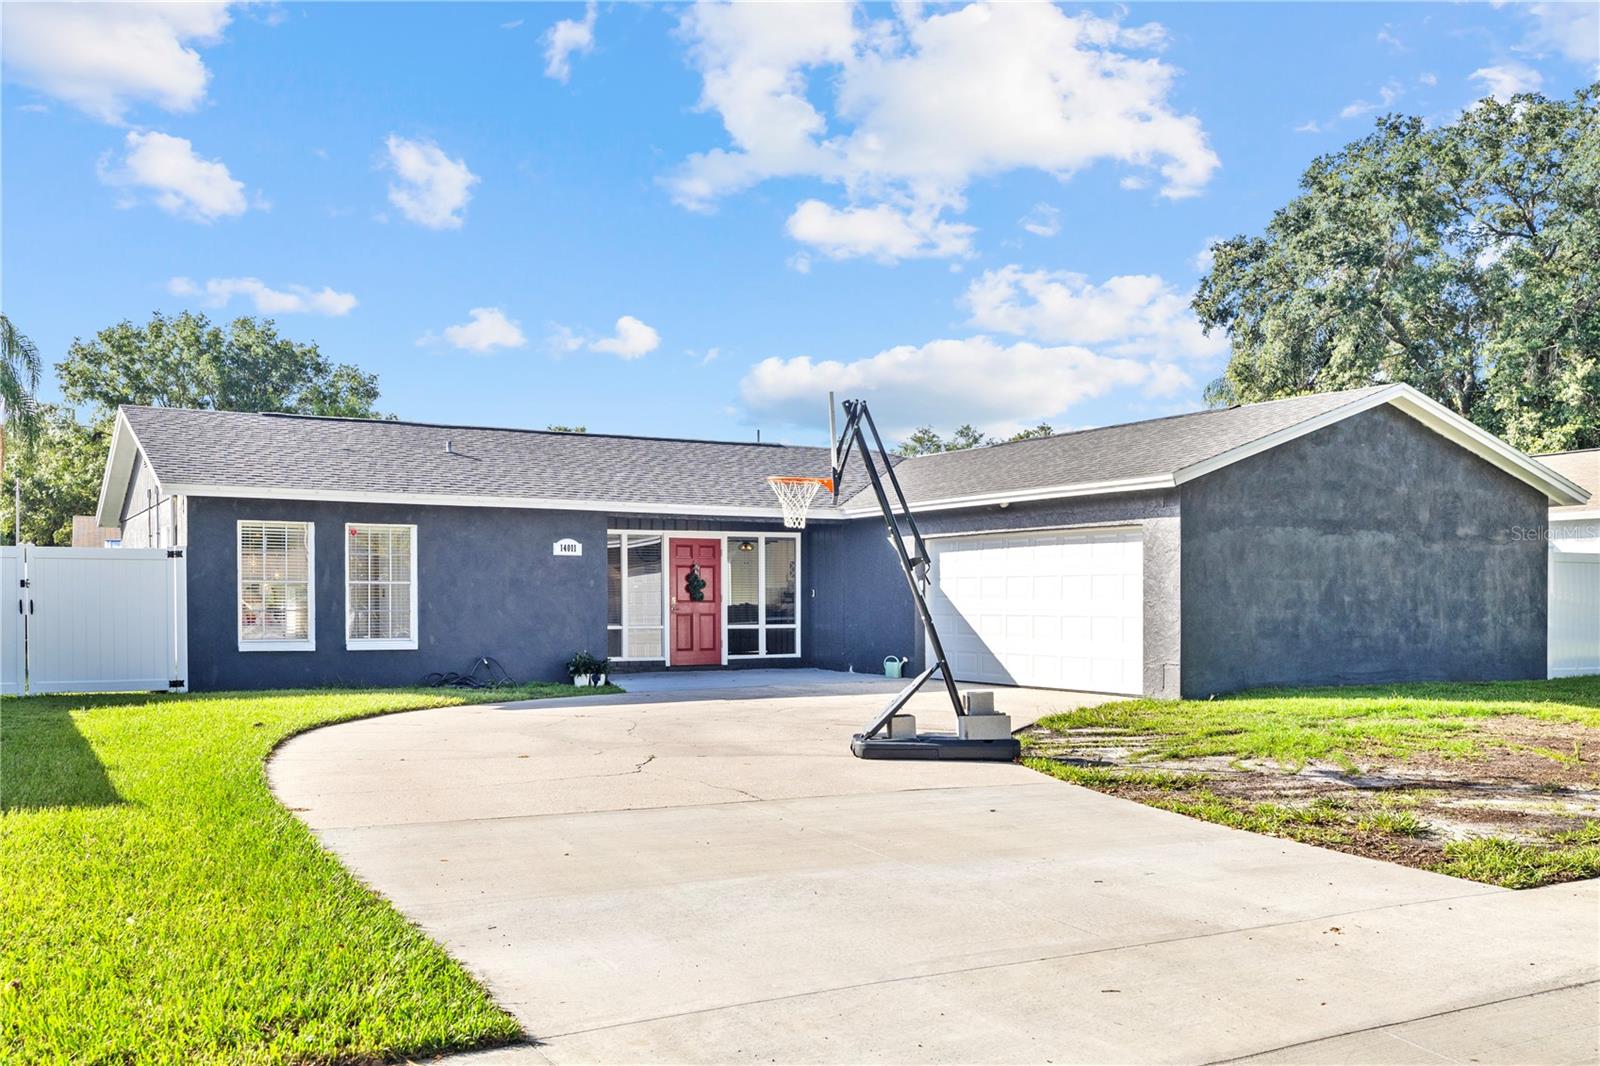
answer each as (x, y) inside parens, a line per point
(364, 644)
(723, 535)
(310, 643)
(761, 625)
(622, 626)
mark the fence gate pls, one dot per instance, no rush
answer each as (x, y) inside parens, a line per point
(99, 620)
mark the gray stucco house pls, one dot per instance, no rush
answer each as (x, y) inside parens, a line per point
(1335, 538)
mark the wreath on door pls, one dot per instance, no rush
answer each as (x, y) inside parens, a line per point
(694, 584)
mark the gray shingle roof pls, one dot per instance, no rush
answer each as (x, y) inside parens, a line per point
(287, 452)
(296, 453)
(1583, 469)
(1153, 448)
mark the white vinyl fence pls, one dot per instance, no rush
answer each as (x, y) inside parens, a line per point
(13, 605)
(1574, 612)
(93, 620)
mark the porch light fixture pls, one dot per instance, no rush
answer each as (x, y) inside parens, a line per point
(747, 545)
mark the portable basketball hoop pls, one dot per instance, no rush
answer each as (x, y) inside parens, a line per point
(795, 495)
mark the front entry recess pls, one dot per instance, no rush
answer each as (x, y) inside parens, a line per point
(696, 602)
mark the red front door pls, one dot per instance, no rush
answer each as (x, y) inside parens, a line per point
(696, 602)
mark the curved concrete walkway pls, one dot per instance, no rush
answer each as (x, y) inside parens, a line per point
(699, 872)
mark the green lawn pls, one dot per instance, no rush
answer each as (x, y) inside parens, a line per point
(1472, 751)
(157, 904)
(1342, 725)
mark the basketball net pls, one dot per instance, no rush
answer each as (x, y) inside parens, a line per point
(795, 495)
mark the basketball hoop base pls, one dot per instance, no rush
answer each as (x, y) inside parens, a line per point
(944, 746)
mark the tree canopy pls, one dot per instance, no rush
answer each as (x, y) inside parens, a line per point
(187, 361)
(184, 361)
(19, 380)
(59, 470)
(924, 440)
(1462, 259)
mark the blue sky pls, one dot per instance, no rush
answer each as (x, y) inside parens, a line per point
(693, 221)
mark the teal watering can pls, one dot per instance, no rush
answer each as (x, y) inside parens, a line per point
(892, 665)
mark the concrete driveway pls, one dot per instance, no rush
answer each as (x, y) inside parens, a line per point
(698, 871)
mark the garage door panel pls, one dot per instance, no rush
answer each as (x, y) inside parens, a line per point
(1057, 610)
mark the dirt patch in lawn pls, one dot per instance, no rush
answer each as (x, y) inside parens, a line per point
(1520, 806)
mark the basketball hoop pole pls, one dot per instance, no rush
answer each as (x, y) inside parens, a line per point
(833, 449)
(916, 565)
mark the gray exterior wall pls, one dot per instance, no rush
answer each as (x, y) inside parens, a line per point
(1372, 550)
(487, 584)
(857, 606)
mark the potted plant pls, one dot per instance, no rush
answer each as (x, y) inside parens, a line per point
(587, 670)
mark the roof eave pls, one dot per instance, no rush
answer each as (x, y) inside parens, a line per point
(1054, 492)
(121, 460)
(423, 499)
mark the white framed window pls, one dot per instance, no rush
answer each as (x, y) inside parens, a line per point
(277, 594)
(763, 596)
(635, 597)
(380, 587)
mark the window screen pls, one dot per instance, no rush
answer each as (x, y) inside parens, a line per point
(379, 583)
(274, 581)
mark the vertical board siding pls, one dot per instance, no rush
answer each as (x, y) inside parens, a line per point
(1574, 613)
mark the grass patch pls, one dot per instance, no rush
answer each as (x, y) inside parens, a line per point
(1513, 864)
(1319, 822)
(1109, 779)
(1338, 725)
(158, 904)
(1237, 762)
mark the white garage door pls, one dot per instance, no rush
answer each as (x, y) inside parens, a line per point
(1053, 610)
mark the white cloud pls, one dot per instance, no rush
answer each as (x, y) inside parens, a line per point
(293, 299)
(104, 58)
(1571, 30)
(922, 106)
(631, 340)
(1203, 260)
(1309, 126)
(177, 180)
(1387, 36)
(1388, 93)
(566, 38)
(431, 189)
(1043, 221)
(1133, 315)
(1428, 78)
(1507, 79)
(882, 232)
(488, 329)
(997, 387)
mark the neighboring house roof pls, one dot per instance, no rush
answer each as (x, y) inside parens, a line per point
(217, 453)
(1582, 468)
